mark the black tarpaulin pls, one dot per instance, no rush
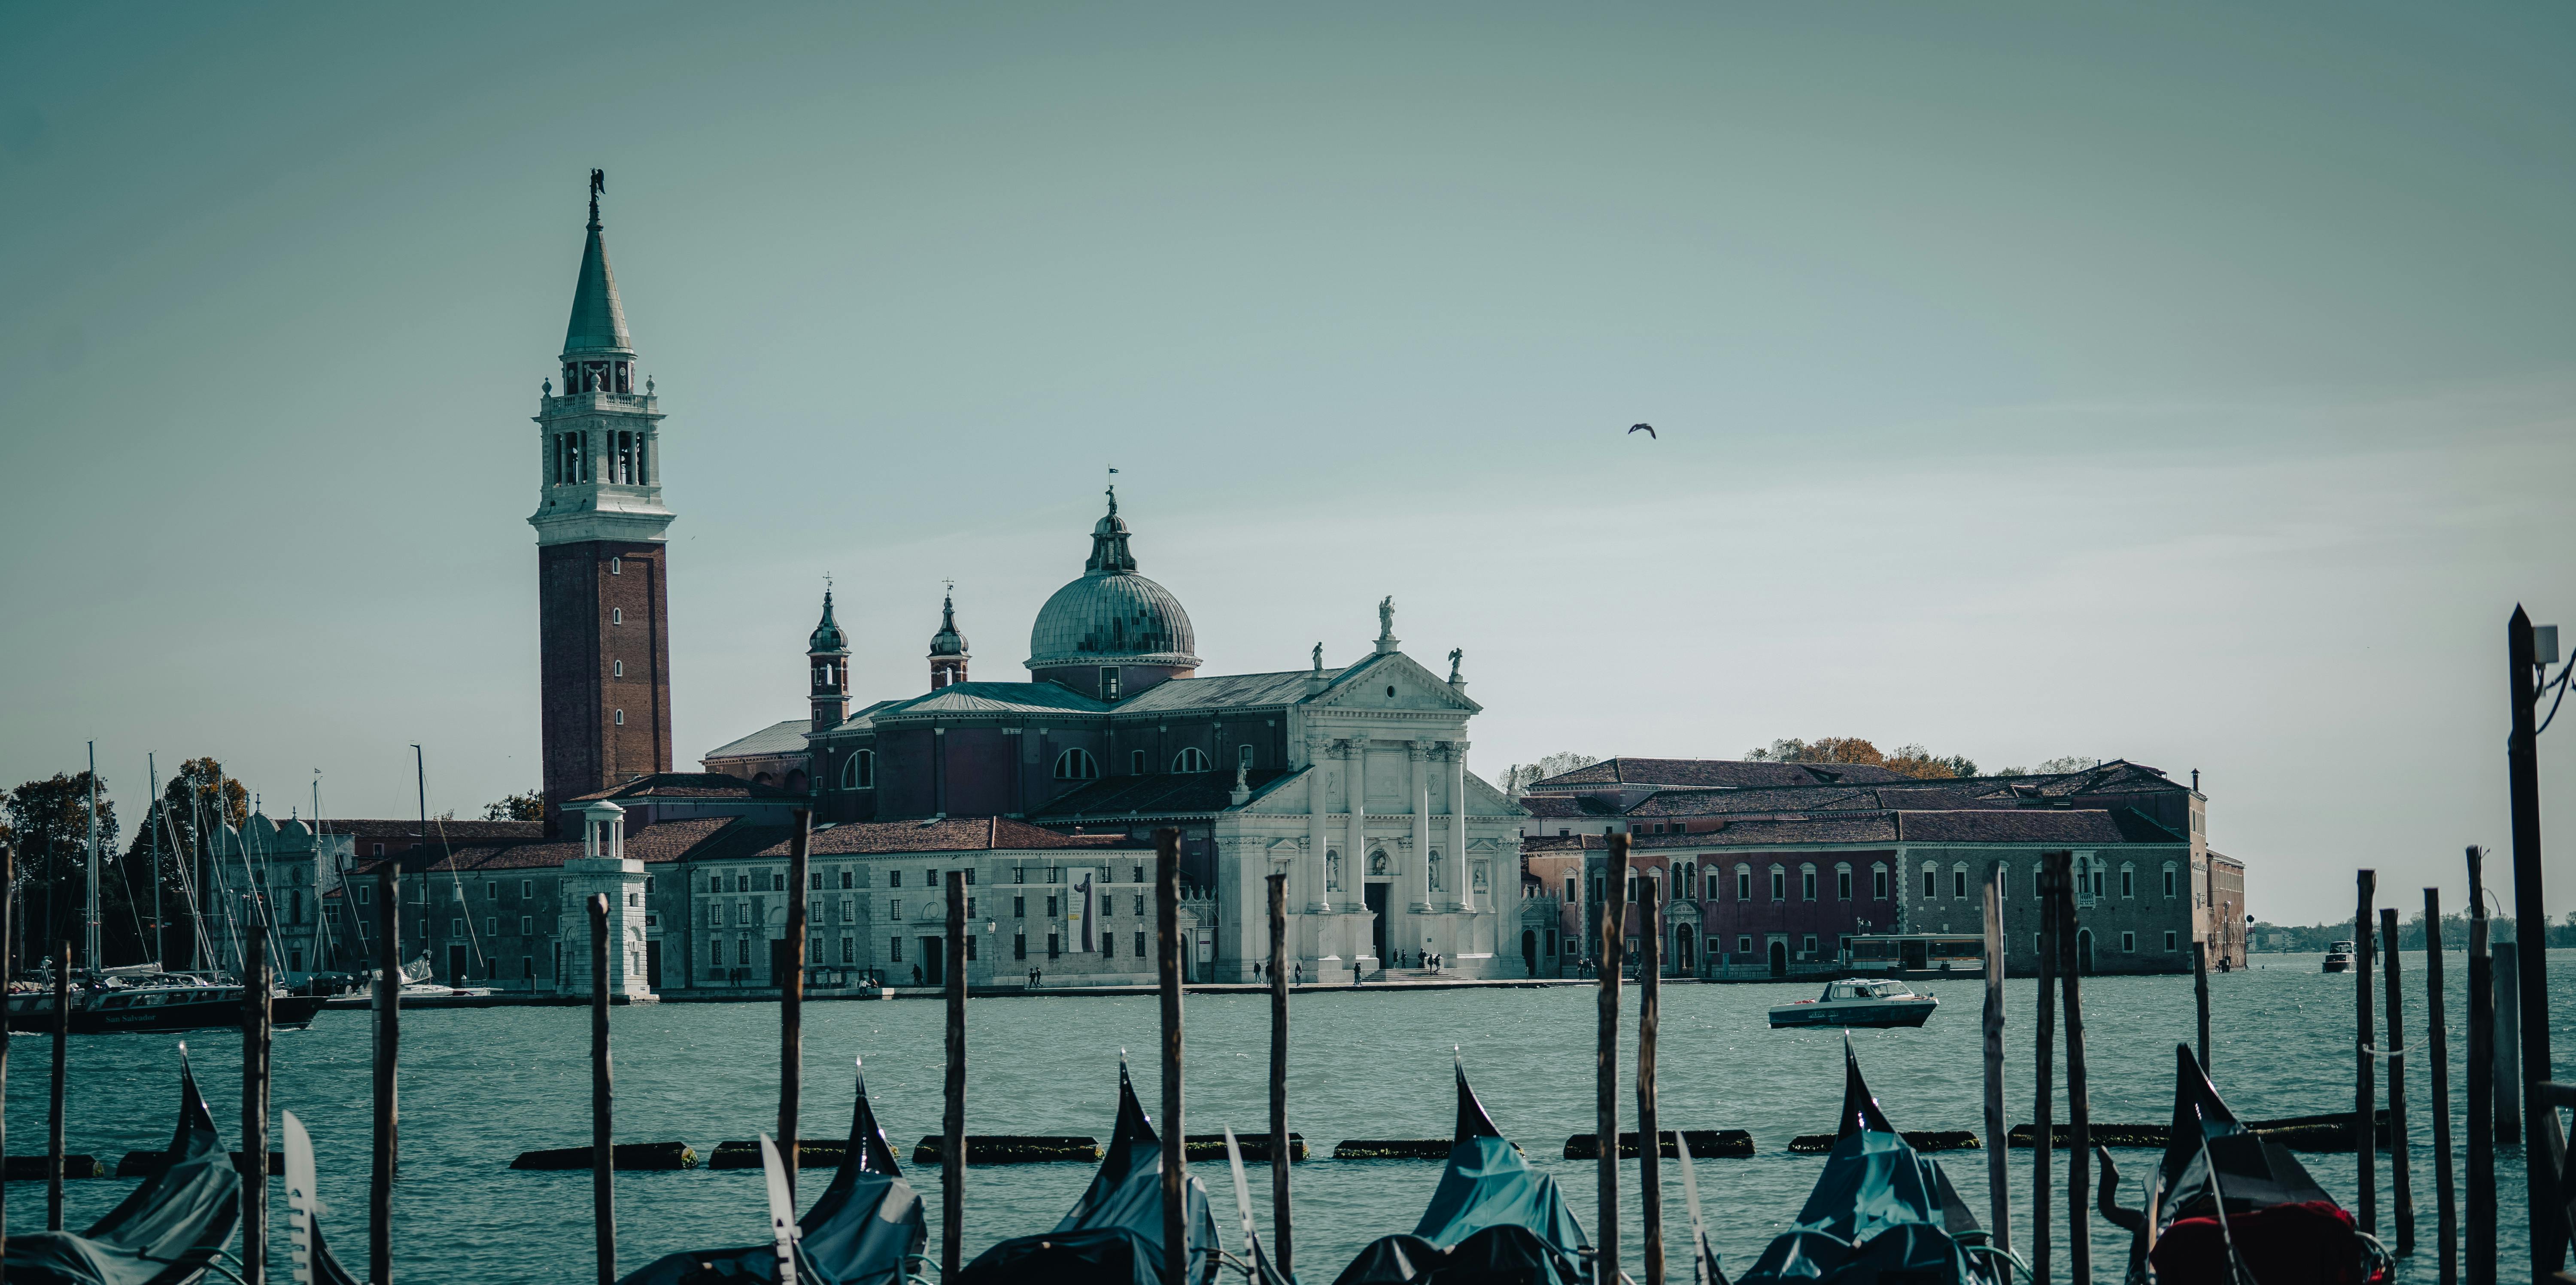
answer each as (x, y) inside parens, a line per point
(165, 1232)
(1493, 1220)
(1114, 1234)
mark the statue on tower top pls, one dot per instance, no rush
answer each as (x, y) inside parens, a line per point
(598, 184)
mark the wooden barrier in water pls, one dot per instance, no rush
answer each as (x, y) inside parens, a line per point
(40, 1168)
(1008, 1149)
(746, 1155)
(1394, 1149)
(1281, 1146)
(54, 1116)
(603, 1155)
(2365, 1084)
(954, 1146)
(2479, 1255)
(1816, 1144)
(254, 1096)
(1704, 1144)
(2400, 1191)
(791, 996)
(1605, 1054)
(2330, 1131)
(1211, 1146)
(1650, 1173)
(144, 1164)
(2079, 1098)
(387, 996)
(2446, 1235)
(2044, 1096)
(1998, 1170)
(630, 1156)
(1175, 1174)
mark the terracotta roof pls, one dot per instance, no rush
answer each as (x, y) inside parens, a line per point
(669, 841)
(1160, 794)
(954, 834)
(454, 831)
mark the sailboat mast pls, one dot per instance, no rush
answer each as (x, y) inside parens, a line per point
(420, 781)
(152, 778)
(89, 933)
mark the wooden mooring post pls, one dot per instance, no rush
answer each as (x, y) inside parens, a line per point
(1614, 929)
(603, 1192)
(1998, 1153)
(2446, 1215)
(54, 1114)
(2044, 1098)
(2365, 1085)
(1280, 1245)
(2401, 1196)
(254, 1103)
(387, 998)
(2200, 997)
(8, 913)
(1650, 1141)
(2479, 1256)
(2544, 1209)
(2079, 1102)
(952, 1112)
(791, 995)
(1167, 919)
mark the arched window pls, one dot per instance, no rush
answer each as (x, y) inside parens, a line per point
(859, 771)
(1190, 759)
(1076, 765)
(1243, 755)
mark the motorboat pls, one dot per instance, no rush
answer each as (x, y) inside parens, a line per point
(155, 1002)
(1858, 1002)
(2339, 957)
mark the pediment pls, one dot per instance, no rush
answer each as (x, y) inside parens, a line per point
(1368, 685)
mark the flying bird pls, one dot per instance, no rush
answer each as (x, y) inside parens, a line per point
(1648, 429)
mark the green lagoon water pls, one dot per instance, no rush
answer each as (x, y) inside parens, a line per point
(481, 1086)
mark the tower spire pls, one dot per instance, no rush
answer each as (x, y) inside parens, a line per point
(948, 655)
(827, 651)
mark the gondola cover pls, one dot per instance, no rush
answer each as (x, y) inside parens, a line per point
(1493, 1220)
(858, 1232)
(2282, 1226)
(1114, 1234)
(1878, 1212)
(165, 1233)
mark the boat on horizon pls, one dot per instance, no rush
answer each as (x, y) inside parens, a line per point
(2339, 957)
(134, 999)
(1858, 1001)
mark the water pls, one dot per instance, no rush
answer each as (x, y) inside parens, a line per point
(481, 1086)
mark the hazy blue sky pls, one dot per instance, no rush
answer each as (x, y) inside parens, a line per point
(2182, 383)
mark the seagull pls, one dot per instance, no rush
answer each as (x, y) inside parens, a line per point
(1648, 429)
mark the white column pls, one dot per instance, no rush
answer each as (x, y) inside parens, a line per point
(1415, 754)
(1355, 846)
(1465, 897)
(1316, 897)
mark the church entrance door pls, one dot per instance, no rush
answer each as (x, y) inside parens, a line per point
(458, 966)
(1529, 950)
(1779, 958)
(1376, 901)
(934, 962)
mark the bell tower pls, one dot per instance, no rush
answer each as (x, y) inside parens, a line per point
(603, 615)
(948, 654)
(827, 654)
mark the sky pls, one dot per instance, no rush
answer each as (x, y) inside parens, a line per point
(2184, 383)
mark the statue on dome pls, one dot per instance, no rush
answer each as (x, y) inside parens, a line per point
(1386, 616)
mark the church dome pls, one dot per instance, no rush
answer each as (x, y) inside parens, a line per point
(1112, 612)
(948, 642)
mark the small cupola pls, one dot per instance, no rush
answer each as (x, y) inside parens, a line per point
(827, 659)
(948, 654)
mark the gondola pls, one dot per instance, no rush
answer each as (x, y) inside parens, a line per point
(2222, 1193)
(865, 1229)
(168, 1231)
(1493, 1220)
(1114, 1234)
(1879, 1212)
(314, 1263)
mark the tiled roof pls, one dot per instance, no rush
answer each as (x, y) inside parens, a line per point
(994, 698)
(1683, 803)
(453, 831)
(1874, 827)
(690, 785)
(1224, 690)
(778, 738)
(1551, 806)
(1160, 794)
(953, 834)
(669, 841)
(1726, 773)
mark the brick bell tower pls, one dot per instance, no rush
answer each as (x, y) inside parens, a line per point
(603, 615)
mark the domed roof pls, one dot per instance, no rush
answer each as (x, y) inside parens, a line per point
(1112, 612)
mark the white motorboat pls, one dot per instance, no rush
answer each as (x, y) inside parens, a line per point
(2339, 957)
(1860, 1001)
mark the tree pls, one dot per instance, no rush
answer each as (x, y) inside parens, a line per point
(49, 824)
(1520, 776)
(530, 806)
(1908, 760)
(2070, 763)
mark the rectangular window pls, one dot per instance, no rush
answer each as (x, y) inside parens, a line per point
(894, 878)
(1109, 945)
(1807, 885)
(1140, 945)
(1931, 884)
(1019, 945)
(1019, 874)
(742, 951)
(2038, 942)
(814, 880)
(1109, 682)
(849, 950)
(1140, 874)
(1108, 904)
(847, 879)
(970, 880)
(1959, 884)
(1135, 762)
(894, 949)
(1050, 911)
(1779, 885)
(527, 887)
(894, 908)
(2128, 943)
(1019, 907)
(527, 926)
(2128, 889)
(970, 948)
(2170, 944)
(1054, 946)
(1744, 885)
(491, 926)
(1842, 885)
(455, 927)
(1712, 887)
(1744, 945)
(970, 907)
(1140, 903)
(1811, 946)
(2169, 882)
